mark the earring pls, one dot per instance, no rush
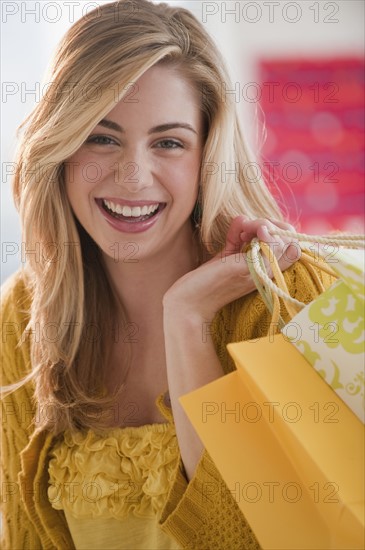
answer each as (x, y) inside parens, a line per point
(196, 215)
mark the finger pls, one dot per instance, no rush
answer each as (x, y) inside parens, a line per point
(279, 245)
(233, 239)
(292, 249)
(291, 244)
(286, 253)
(261, 228)
(283, 225)
(249, 229)
(287, 259)
(265, 233)
(270, 223)
(264, 230)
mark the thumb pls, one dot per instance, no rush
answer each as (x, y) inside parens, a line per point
(233, 240)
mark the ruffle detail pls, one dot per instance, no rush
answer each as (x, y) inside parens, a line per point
(128, 470)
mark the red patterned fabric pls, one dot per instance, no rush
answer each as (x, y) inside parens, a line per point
(314, 115)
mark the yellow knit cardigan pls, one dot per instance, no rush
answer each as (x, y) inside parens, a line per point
(195, 520)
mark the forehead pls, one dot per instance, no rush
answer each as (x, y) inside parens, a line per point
(161, 94)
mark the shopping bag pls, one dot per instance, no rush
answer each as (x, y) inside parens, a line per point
(290, 450)
(286, 445)
(330, 332)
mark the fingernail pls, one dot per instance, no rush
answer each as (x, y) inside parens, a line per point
(264, 229)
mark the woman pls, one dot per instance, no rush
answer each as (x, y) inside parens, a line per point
(137, 288)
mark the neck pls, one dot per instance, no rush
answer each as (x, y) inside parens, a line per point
(141, 285)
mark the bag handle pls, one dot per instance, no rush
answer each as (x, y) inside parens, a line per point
(270, 291)
(355, 241)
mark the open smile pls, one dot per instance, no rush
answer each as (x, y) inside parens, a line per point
(130, 216)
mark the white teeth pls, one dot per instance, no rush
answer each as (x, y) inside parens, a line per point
(152, 208)
(127, 211)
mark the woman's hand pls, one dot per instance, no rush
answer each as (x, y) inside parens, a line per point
(193, 300)
(226, 277)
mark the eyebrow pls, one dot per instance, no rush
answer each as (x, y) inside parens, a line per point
(160, 128)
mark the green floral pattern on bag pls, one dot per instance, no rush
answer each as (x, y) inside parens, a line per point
(329, 332)
(333, 379)
(346, 312)
(353, 278)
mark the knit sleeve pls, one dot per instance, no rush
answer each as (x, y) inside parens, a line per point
(203, 513)
(17, 415)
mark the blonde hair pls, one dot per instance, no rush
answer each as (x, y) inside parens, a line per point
(100, 57)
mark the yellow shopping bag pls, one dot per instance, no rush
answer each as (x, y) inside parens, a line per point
(287, 446)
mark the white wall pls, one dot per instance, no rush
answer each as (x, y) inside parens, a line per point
(244, 31)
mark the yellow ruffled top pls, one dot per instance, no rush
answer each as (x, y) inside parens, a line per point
(112, 487)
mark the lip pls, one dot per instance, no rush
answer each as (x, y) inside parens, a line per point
(129, 227)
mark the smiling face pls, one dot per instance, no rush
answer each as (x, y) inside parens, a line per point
(136, 177)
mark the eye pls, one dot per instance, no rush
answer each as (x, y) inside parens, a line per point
(169, 144)
(101, 140)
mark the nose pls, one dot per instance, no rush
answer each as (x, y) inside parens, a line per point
(134, 171)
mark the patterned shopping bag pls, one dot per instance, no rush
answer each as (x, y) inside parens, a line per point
(330, 331)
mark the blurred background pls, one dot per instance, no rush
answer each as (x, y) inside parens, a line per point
(297, 71)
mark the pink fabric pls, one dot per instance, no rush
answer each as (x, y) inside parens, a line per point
(314, 115)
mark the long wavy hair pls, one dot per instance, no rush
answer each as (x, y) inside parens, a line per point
(97, 62)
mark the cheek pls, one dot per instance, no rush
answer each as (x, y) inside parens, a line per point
(71, 179)
(193, 177)
(82, 175)
(184, 192)
(185, 179)
(78, 185)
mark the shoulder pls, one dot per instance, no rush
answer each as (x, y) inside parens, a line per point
(306, 282)
(15, 307)
(248, 317)
(15, 294)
